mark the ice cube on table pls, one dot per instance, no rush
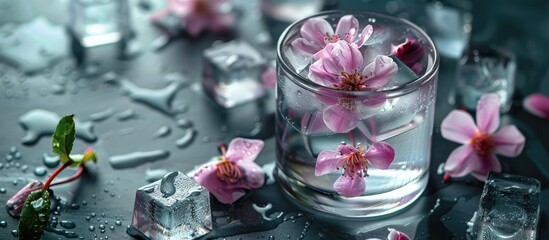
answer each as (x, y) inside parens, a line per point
(449, 27)
(509, 208)
(485, 70)
(175, 207)
(232, 73)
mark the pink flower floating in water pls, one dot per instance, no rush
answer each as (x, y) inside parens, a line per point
(199, 15)
(355, 162)
(340, 66)
(317, 33)
(410, 53)
(537, 104)
(480, 143)
(235, 172)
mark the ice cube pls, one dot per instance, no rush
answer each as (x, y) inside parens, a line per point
(232, 73)
(99, 29)
(175, 207)
(404, 74)
(509, 208)
(450, 27)
(15, 11)
(485, 70)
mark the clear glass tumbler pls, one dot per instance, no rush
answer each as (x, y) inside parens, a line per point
(399, 114)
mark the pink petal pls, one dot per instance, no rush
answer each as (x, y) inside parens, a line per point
(315, 29)
(488, 113)
(305, 47)
(349, 186)
(365, 35)
(180, 8)
(396, 235)
(409, 52)
(327, 96)
(380, 155)
(537, 104)
(328, 161)
(220, 22)
(324, 52)
(324, 72)
(346, 149)
(253, 174)
(508, 141)
(195, 24)
(347, 28)
(375, 100)
(348, 56)
(224, 192)
(462, 161)
(338, 119)
(458, 126)
(241, 149)
(490, 164)
(379, 72)
(269, 78)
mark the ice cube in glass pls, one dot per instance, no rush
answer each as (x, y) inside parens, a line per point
(232, 73)
(175, 207)
(509, 208)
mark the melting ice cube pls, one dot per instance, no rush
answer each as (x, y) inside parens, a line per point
(404, 74)
(175, 207)
(450, 27)
(509, 208)
(232, 73)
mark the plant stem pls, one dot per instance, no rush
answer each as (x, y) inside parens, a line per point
(352, 139)
(57, 171)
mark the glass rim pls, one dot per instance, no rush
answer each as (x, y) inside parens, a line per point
(393, 92)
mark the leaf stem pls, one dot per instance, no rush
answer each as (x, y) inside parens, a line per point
(57, 171)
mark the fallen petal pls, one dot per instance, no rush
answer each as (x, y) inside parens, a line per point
(396, 235)
(241, 149)
(537, 104)
(508, 141)
(490, 164)
(349, 186)
(458, 126)
(488, 112)
(254, 176)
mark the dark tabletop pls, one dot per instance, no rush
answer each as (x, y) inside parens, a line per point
(105, 194)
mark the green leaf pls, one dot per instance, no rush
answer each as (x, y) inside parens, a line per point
(79, 159)
(35, 215)
(63, 138)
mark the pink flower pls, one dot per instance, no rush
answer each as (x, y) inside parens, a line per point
(317, 33)
(480, 143)
(235, 172)
(269, 78)
(409, 52)
(340, 66)
(199, 15)
(537, 104)
(15, 203)
(396, 235)
(355, 162)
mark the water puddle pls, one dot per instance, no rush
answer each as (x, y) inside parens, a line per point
(135, 159)
(39, 122)
(159, 99)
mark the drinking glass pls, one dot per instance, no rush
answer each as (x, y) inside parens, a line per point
(404, 120)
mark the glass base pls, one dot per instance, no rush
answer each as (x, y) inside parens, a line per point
(358, 207)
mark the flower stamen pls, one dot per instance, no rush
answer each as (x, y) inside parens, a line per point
(227, 171)
(482, 144)
(356, 164)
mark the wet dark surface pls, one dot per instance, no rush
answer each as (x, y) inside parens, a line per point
(124, 124)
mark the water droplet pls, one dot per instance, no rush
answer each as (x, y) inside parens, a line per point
(84, 203)
(50, 161)
(167, 187)
(88, 218)
(3, 224)
(159, 99)
(40, 171)
(14, 182)
(155, 174)
(136, 158)
(184, 123)
(126, 115)
(2, 190)
(101, 226)
(91, 228)
(92, 214)
(103, 214)
(112, 228)
(67, 224)
(186, 139)
(106, 190)
(15, 233)
(75, 206)
(100, 116)
(118, 223)
(162, 132)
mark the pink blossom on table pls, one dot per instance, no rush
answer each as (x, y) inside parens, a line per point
(316, 33)
(396, 235)
(234, 173)
(340, 66)
(15, 203)
(199, 15)
(269, 77)
(481, 141)
(537, 104)
(410, 53)
(355, 162)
